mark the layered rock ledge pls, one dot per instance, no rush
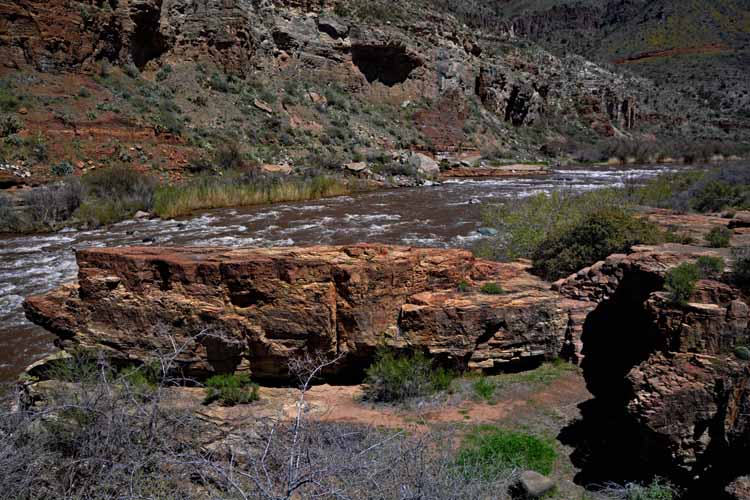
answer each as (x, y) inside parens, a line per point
(666, 376)
(255, 309)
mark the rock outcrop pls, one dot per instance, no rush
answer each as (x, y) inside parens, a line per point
(255, 309)
(666, 375)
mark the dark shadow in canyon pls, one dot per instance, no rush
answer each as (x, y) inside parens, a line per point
(389, 65)
(147, 43)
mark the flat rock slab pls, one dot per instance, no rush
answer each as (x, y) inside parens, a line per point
(255, 309)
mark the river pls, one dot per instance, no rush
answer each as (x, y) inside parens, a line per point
(447, 215)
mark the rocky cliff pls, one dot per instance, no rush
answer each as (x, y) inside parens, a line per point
(668, 377)
(256, 309)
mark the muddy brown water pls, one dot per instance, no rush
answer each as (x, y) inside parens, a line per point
(447, 215)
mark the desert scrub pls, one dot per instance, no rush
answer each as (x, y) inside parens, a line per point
(542, 227)
(596, 236)
(211, 192)
(395, 378)
(484, 388)
(492, 289)
(680, 282)
(489, 452)
(656, 490)
(719, 237)
(114, 194)
(231, 389)
(710, 267)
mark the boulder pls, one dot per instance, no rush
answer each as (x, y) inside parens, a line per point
(255, 309)
(276, 169)
(531, 485)
(739, 489)
(356, 167)
(425, 165)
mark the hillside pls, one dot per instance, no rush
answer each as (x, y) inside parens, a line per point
(170, 86)
(698, 49)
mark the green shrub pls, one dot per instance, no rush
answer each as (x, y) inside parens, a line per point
(742, 352)
(115, 193)
(463, 286)
(8, 101)
(719, 237)
(231, 389)
(710, 267)
(62, 169)
(657, 490)
(489, 451)
(492, 289)
(680, 282)
(524, 224)
(9, 125)
(484, 388)
(393, 377)
(594, 238)
(741, 267)
(163, 73)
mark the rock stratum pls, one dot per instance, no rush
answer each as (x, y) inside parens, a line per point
(255, 309)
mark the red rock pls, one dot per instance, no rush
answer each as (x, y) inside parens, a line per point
(269, 305)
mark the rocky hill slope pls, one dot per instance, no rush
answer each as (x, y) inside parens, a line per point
(696, 49)
(163, 84)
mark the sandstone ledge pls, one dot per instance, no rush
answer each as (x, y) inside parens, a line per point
(254, 309)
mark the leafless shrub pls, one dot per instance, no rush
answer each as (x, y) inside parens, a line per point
(53, 203)
(102, 433)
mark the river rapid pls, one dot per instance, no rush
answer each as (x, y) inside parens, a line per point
(447, 215)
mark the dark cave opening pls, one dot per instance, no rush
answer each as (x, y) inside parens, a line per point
(389, 65)
(147, 43)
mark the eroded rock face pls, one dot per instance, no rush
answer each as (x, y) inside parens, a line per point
(667, 375)
(255, 309)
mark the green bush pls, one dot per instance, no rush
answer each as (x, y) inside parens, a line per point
(163, 73)
(710, 267)
(680, 282)
(741, 267)
(742, 352)
(657, 490)
(489, 451)
(484, 388)
(719, 237)
(231, 389)
(9, 125)
(463, 286)
(62, 169)
(492, 289)
(594, 238)
(115, 193)
(393, 378)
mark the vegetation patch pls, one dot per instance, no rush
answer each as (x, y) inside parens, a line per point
(492, 289)
(489, 452)
(396, 378)
(484, 388)
(681, 281)
(231, 389)
(710, 267)
(239, 191)
(719, 237)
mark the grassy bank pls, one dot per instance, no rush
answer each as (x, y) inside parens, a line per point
(210, 192)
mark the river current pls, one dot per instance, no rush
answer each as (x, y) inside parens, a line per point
(447, 215)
